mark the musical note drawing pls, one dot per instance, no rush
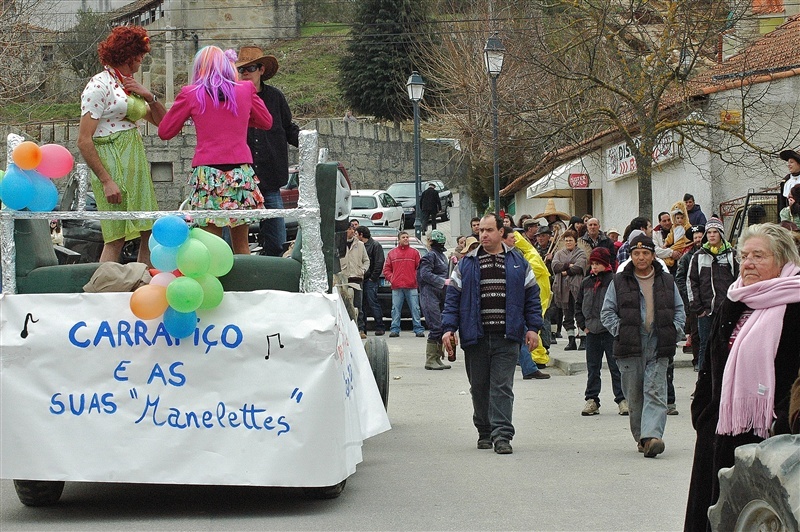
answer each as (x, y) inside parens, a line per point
(24, 333)
(268, 344)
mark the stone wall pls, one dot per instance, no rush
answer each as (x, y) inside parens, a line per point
(375, 156)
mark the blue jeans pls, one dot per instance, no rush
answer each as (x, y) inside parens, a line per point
(644, 383)
(703, 331)
(490, 368)
(371, 304)
(596, 346)
(526, 363)
(411, 297)
(272, 231)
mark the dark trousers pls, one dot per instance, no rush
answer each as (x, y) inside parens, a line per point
(372, 306)
(569, 314)
(272, 231)
(358, 297)
(428, 218)
(596, 346)
(490, 366)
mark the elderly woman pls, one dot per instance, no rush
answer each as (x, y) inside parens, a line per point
(110, 143)
(569, 268)
(742, 394)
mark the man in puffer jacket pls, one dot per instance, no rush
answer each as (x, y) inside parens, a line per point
(712, 270)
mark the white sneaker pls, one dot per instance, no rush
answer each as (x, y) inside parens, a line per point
(590, 408)
(623, 408)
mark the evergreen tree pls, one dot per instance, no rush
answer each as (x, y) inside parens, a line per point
(381, 55)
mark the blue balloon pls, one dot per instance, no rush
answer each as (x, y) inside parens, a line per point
(170, 231)
(163, 258)
(16, 189)
(179, 324)
(45, 193)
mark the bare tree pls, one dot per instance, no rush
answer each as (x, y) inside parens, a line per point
(24, 48)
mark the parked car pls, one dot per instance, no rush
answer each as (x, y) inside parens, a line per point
(378, 230)
(385, 288)
(378, 206)
(403, 192)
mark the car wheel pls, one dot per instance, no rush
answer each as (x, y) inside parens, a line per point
(446, 213)
(756, 493)
(325, 492)
(378, 355)
(38, 492)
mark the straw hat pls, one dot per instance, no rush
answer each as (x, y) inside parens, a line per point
(550, 209)
(253, 54)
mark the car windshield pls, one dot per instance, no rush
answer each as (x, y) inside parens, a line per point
(364, 202)
(401, 190)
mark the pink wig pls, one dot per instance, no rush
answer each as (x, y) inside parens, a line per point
(214, 74)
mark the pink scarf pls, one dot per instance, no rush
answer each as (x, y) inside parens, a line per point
(748, 382)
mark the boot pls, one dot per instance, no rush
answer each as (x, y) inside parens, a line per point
(441, 355)
(432, 354)
(571, 346)
(582, 345)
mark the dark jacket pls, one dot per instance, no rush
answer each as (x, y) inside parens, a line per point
(682, 274)
(270, 147)
(709, 278)
(604, 242)
(376, 259)
(590, 301)
(429, 201)
(462, 307)
(696, 216)
(712, 451)
(626, 307)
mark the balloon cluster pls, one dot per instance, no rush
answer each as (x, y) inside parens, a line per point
(189, 264)
(26, 183)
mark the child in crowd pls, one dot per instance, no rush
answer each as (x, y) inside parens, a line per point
(598, 339)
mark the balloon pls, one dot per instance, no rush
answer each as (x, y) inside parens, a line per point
(45, 194)
(56, 162)
(212, 291)
(163, 257)
(16, 189)
(185, 294)
(162, 279)
(179, 324)
(193, 258)
(170, 231)
(149, 302)
(221, 254)
(27, 155)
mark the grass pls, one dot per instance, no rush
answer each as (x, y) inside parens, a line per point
(23, 113)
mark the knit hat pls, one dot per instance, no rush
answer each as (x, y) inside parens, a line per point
(715, 223)
(438, 237)
(643, 242)
(600, 256)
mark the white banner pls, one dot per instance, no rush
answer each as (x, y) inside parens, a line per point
(268, 391)
(621, 162)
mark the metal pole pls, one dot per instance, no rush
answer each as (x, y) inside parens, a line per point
(494, 144)
(417, 173)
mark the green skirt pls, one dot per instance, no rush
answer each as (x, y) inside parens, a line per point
(122, 155)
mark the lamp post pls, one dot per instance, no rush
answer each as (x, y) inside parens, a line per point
(493, 54)
(416, 89)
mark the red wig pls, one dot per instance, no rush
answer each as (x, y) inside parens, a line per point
(123, 44)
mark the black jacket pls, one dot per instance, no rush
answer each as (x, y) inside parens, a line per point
(429, 201)
(376, 260)
(590, 301)
(270, 148)
(709, 279)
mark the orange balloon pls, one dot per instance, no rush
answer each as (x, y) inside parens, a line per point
(149, 302)
(27, 155)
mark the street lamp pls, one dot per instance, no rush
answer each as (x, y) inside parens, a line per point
(416, 89)
(493, 54)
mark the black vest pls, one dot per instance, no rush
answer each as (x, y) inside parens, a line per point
(628, 342)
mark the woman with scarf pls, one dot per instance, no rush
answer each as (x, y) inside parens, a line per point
(743, 392)
(110, 142)
(569, 268)
(222, 108)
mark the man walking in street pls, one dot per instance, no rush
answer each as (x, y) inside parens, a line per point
(493, 301)
(400, 269)
(644, 312)
(372, 280)
(430, 204)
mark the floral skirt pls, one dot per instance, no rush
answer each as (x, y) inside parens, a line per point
(214, 189)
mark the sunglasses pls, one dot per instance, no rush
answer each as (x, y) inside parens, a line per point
(249, 68)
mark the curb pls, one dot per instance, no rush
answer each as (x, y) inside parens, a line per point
(571, 367)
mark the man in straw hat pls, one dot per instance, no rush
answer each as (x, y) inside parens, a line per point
(270, 148)
(555, 221)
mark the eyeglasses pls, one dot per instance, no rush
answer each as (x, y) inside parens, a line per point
(756, 257)
(249, 68)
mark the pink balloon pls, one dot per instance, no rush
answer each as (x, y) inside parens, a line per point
(56, 162)
(162, 279)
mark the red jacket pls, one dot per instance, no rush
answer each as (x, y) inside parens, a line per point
(401, 266)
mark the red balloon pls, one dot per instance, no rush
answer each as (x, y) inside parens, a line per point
(56, 162)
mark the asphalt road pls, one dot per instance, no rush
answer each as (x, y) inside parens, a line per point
(567, 472)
